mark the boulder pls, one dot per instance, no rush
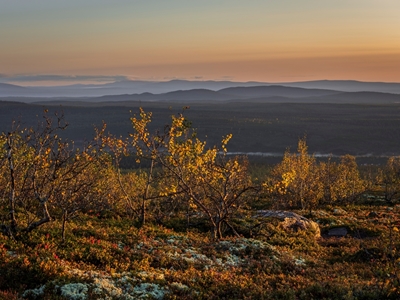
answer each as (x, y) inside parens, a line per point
(291, 221)
(339, 212)
(373, 214)
(338, 231)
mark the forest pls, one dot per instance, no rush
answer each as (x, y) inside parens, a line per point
(162, 214)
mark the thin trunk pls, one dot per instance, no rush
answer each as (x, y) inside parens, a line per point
(64, 223)
(386, 192)
(233, 229)
(143, 213)
(43, 202)
(13, 220)
(303, 206)
(129, 200)
(46, 218)
(214, 233)
(146, 194)
(188, 215)
(219, 228)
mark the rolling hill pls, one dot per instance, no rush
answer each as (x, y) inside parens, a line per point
(140, 87)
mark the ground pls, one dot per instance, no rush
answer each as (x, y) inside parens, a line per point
(112, 259)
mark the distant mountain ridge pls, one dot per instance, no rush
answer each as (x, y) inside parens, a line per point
(152, 87)
(6, 87)
(275, 90)
(347, 86)
(264, 94)
(117, 88)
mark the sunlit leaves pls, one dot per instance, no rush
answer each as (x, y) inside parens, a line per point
(341, 181)
(295, 180)
(300, 181)
(389, 178)
(184, 170)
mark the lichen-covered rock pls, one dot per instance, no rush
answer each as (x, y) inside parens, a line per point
(291, 221)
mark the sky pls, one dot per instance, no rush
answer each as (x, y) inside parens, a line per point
(45, 42)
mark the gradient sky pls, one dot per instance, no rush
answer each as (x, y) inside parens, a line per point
(252, 40)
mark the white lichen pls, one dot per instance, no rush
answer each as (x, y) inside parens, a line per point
(74, 291)
(299, 261)
(106, 286)
(34, 293)
(146, 290)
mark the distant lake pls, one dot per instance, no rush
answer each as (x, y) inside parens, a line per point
(274, 157)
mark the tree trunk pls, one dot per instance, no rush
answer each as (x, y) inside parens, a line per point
(46, 216)
(64, 223)
(143, 213)
(146, 194)
(188, 216)
(214, 235)
(219, 228)
(13, 220)
(232, 228)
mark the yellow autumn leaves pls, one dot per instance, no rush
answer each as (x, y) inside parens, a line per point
(300, 181)
(187, 175)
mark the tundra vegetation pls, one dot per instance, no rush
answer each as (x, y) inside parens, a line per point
(189, 221)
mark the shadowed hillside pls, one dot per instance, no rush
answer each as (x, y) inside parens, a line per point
(358, 129)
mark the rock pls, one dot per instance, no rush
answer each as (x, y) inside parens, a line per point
(373, 214)
(291, 221)
(339, 212)
(338, 231)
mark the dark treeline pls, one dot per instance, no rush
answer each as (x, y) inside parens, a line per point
(356, 129)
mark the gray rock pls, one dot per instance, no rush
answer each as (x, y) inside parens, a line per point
(338, 231)
(292, 221)
(339, 212)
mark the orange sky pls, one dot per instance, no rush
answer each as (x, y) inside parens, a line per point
(254, 40)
